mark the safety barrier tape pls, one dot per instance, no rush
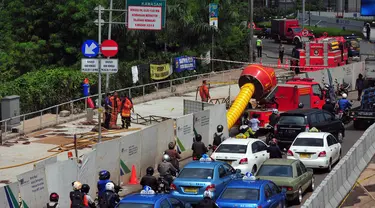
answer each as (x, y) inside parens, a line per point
(317, 67)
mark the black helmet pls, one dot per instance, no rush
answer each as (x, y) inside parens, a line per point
(171, 145)
(220, 128)
(104, 175)
(150, 171)
(198, 138)
(300, 105)
(85, 188)
(54, 197)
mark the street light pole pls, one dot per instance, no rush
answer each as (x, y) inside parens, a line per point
(100, 75)
(250, 13)
(303, 14)
(109, 38)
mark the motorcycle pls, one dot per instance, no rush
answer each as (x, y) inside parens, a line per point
(163, 184)
(344, 116)
(342, 88)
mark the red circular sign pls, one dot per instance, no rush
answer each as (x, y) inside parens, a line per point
(305, 32)
(109, 48)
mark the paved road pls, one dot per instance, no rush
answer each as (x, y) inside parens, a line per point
(350, 138)
(271, 48)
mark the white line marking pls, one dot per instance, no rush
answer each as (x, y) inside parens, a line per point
(109, 48)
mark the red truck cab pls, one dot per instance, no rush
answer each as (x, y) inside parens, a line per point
(288, 30)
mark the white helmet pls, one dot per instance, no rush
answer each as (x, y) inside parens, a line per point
(110, 186)
(207, 194)
(275, 111)
(344, 95)
(77, 186)
(166, 158)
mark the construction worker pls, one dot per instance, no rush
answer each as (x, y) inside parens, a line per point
(116, 107)
(245, 132)
(281, 52)
(204, 92)
(126, 107)
(259, 47)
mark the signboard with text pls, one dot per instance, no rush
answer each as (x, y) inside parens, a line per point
(214, 15)
(90, 65)
(109, 65)
(150, 3)
(144, 18)
(160, 71)
(184, 63)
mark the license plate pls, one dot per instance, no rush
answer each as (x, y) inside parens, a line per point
(304, 155)
(191, 190)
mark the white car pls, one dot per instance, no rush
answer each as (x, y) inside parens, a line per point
(315, 150)
(244, 154)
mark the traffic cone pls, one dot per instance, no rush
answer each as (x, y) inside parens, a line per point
(278, 63)
(133, 178)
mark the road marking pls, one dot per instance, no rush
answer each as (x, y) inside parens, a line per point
(109, 48)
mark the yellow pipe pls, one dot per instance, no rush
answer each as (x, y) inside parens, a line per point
(240, 104)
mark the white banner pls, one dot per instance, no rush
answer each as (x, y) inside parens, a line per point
(60, 176)
(202, 124)
(149, 143)
(185, 133)
(86, 172)
(144, 18)
(108, 158)
(33, 188)
(130, 154)
(9, 196)
(217, 117)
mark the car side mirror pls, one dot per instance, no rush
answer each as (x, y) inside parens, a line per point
(187, 205)
(283, 190)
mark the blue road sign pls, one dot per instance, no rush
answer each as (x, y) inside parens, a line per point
(90, 48)
(214, 10)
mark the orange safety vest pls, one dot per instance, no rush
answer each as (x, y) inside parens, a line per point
(204, 93)
(127, 105)
(115, 104)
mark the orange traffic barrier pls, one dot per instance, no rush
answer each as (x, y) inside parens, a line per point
(133, 178)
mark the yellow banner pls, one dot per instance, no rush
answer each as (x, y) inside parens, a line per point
(159, 72)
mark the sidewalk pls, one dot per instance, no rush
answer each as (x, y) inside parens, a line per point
(359, 197)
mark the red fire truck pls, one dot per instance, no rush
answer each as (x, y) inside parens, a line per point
(321, 53)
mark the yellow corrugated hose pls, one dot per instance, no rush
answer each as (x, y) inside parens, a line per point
(239, 105)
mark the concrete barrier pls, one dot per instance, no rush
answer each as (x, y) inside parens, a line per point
(340, 180)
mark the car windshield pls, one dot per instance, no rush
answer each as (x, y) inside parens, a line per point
(276, 170)
(232, 148)
(241, 194)
(314, 142)
(135, 205)
(198, 173)
(295, 120)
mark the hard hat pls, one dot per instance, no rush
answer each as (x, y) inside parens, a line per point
(344, 95)
(110, 186)
(275, 111)
(207, 194)
(77, 186)
(166, 157)
(220, 128)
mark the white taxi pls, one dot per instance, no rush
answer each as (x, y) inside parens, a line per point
(244, 154)
(316, 149)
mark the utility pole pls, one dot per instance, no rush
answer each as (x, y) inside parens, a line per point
(109, 38)
(250, 13)
(309, 12)
(100, 75)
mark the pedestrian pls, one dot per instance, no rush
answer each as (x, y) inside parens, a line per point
(259, 47)
(53, 200)
(254, 124)
(116, 107)
(368, 31)
(281, 52)
(126, 107)
(204, 92)
(359, 85)
(108, 108)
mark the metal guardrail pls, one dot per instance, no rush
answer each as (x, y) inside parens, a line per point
(48, 117)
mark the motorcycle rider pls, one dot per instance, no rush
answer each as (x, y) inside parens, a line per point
(149, 179)
(104, 177)
(328, 106)
(53, 200)
(166, 169)
(343, 103)
(218, 136)
(274, 117)
(87, 200)
(274, 150)
(173, 154)
(109, 199)
(198, 147)
(76, 196)
(207, 201)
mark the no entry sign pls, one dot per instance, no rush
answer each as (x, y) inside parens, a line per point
(109, 48)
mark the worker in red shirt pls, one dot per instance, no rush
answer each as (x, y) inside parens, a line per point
(204, 92)
(116, 107)
(126, 107)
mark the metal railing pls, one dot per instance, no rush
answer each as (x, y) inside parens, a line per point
(50, 116)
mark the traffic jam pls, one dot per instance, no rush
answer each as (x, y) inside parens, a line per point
(276, 144)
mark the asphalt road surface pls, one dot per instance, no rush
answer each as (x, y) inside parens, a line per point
(272, 49)
(351, 136)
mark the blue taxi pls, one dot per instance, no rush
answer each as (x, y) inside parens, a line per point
(251, 192)
(149, 199)
(200, 176)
